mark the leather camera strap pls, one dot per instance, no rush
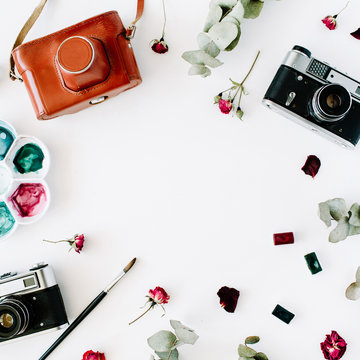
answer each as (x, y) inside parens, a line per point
(34, 16)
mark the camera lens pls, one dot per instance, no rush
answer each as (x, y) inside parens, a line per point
(14, 317)
(331, 103)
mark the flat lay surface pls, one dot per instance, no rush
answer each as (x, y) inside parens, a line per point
(160, 174)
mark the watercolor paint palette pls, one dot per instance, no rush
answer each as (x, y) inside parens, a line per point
(24, 194)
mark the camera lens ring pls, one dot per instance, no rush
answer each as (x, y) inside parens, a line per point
(20, 317)
(331, 103)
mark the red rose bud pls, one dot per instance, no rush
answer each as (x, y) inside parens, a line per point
(225, 106)
(330, 22)
(78, 242)
(228, 298)
(334, 346)
(158, 295)
(311, 166)
(356, 34)
(91, 355)
(283, 238)
(159, 46)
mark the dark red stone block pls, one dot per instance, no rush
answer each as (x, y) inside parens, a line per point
(283, 238)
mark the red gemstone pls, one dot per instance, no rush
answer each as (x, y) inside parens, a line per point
(283, 238)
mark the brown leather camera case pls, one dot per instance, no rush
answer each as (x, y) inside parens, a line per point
(37, 64)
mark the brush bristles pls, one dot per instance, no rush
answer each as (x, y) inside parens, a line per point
(129, 265)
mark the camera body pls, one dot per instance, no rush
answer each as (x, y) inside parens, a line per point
(77, 67)
(30, 303)
(316, 96)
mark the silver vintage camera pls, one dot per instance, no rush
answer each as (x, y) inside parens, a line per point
(317, 96)
(30, 303)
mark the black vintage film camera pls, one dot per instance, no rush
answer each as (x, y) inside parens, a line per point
(30, 303)
(316, 96)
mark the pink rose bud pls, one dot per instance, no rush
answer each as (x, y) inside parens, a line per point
(330, 22)
(225, 106)
(158, 295)
(78, 242)
(91, 355)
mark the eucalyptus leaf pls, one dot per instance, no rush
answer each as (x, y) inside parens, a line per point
(260, 356)
(214, 16)
(237, 12)
(200, 57)
(223, 34)
(236, 40)
(324, 213)
(358, 275)
(341, 231)
(252, 340)
(184, 334)
(353, 291)
(252, 8)
(246, 351)
(206, 44)
(355, 215)
(199, 70)
(337, 208)
(162, 341)
(165, 355)
(245, 358)
(354, 230)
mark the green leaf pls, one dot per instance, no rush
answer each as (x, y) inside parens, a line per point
(354, 230)
(206, 44)
(245, 358)
(223, 34)
(214, 16)
(165, 355)
(245, 351)
(341, 231)
(252, 340)
(260, 356)
(236, 40)
(199, 70)
(237, 12)
(353, 292)
(200, 57)
(252, 8)
(355, 215)
(162, 341)
(184, 334)
(334, 208)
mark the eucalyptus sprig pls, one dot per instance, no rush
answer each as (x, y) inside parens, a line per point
(165, 343)
(348, 221)
(247, 353)
(220, 33)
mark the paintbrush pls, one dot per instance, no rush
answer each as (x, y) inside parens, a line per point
(87, 310)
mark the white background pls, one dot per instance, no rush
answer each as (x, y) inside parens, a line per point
(159, 173)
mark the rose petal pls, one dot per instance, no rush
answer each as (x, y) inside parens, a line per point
(311, 166)
(356, 34)
(225, 106)
(228, 298)
(334, 346)
(91, 355)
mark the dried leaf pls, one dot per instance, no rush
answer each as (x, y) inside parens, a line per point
(223, 34)
(354, 215)
(252, 340)
(214, 16)
(341, 231)
(200, 57)
(162, 341)
(246, 351)
(353, 292)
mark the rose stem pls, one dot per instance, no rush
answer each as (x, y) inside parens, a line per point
(141, 315)
(163, 32)
(55, 242)
(252, 66)
(343, 8)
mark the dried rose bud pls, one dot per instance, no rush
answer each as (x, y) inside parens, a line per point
(334, 346)
(159, 46)
(91, 355)
(330, 22)
(311, 166)
(225, 106)
(158, 295)
(228, 298)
